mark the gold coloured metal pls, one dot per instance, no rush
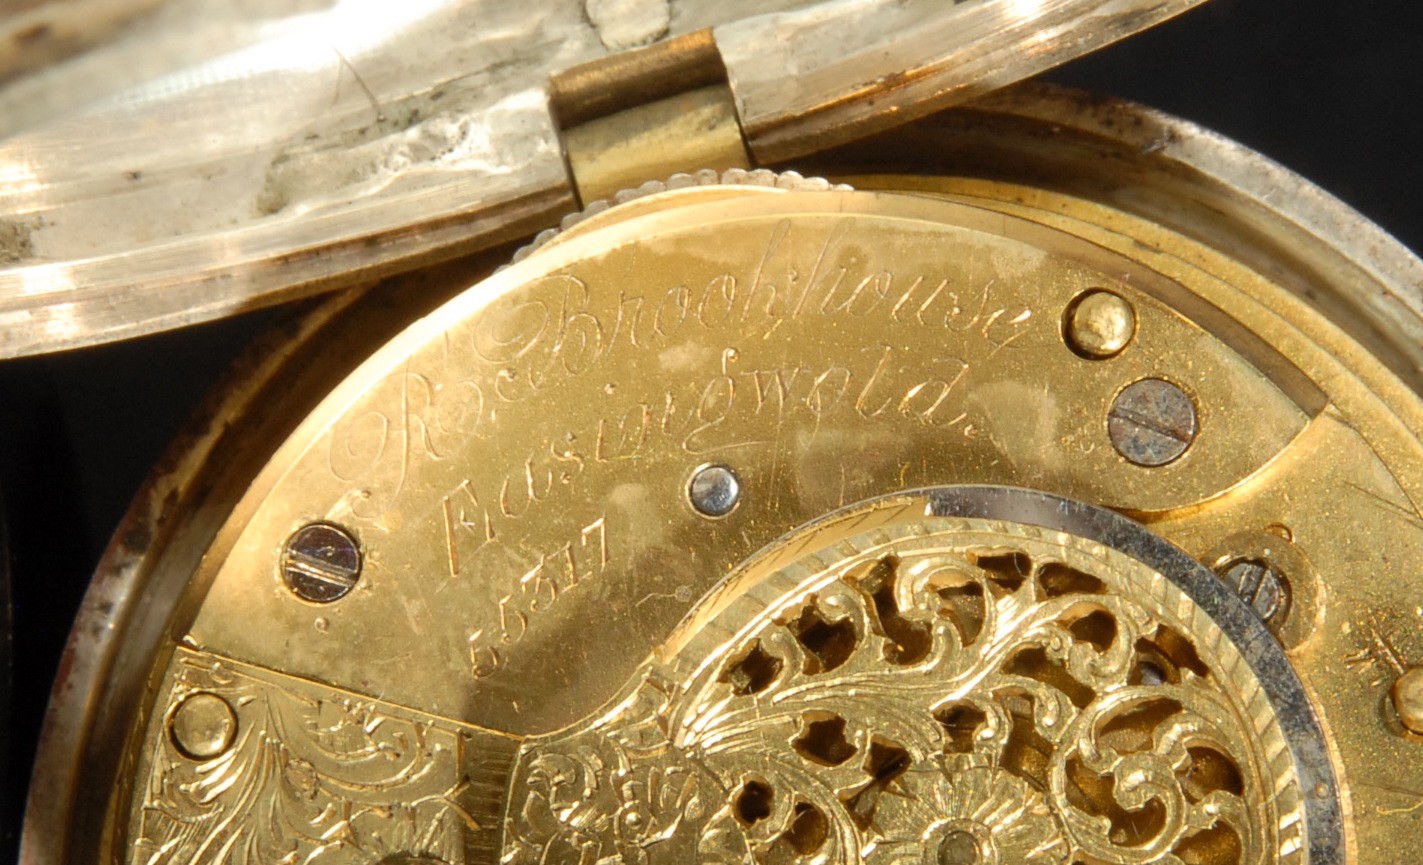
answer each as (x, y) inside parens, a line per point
(1100, 324)
(609, 154)
(637, 76)
(277, 382)
(1274, 577)
(1408, 699)
(847, 365)
(919, 689)
(313, 769)
(203, 726)
(544, 650)
(613, 675)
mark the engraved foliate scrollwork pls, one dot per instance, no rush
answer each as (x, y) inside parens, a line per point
(314, 775)
(971, 695)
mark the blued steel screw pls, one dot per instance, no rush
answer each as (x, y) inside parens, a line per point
(321, 563)
(714, 490)
(1152, 422)
(1263, 587)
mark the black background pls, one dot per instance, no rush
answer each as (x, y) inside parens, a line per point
(1331, 90)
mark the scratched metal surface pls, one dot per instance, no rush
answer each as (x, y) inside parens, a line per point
(299, 151)
(1392, 640)
(224, 156)
(507, 461)
(842, 70)
(515, 465)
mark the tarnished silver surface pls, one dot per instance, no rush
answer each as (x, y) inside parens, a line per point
(218, 156)
(844, 69)
(309, 155)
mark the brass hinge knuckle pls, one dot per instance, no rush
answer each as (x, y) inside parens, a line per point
(646, 114)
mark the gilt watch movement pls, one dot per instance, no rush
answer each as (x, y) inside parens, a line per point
(726, 433)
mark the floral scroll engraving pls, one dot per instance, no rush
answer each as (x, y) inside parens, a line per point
(315, 775)
(964, 697)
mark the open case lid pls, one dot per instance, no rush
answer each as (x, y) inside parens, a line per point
(204, 157)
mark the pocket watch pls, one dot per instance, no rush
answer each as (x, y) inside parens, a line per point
(726, 433)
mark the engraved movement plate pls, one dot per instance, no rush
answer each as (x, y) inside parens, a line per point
(608, 560)
(943, 690)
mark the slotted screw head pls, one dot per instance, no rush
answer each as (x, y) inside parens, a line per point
(321, 563)
(1263, 587)
(1152, 422)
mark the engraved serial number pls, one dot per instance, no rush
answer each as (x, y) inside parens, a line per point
(552, 575)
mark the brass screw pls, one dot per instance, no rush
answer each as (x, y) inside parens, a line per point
(1100, 324)
(203, 726)
(1408, 699)
(321, 563)
(1152, 422)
